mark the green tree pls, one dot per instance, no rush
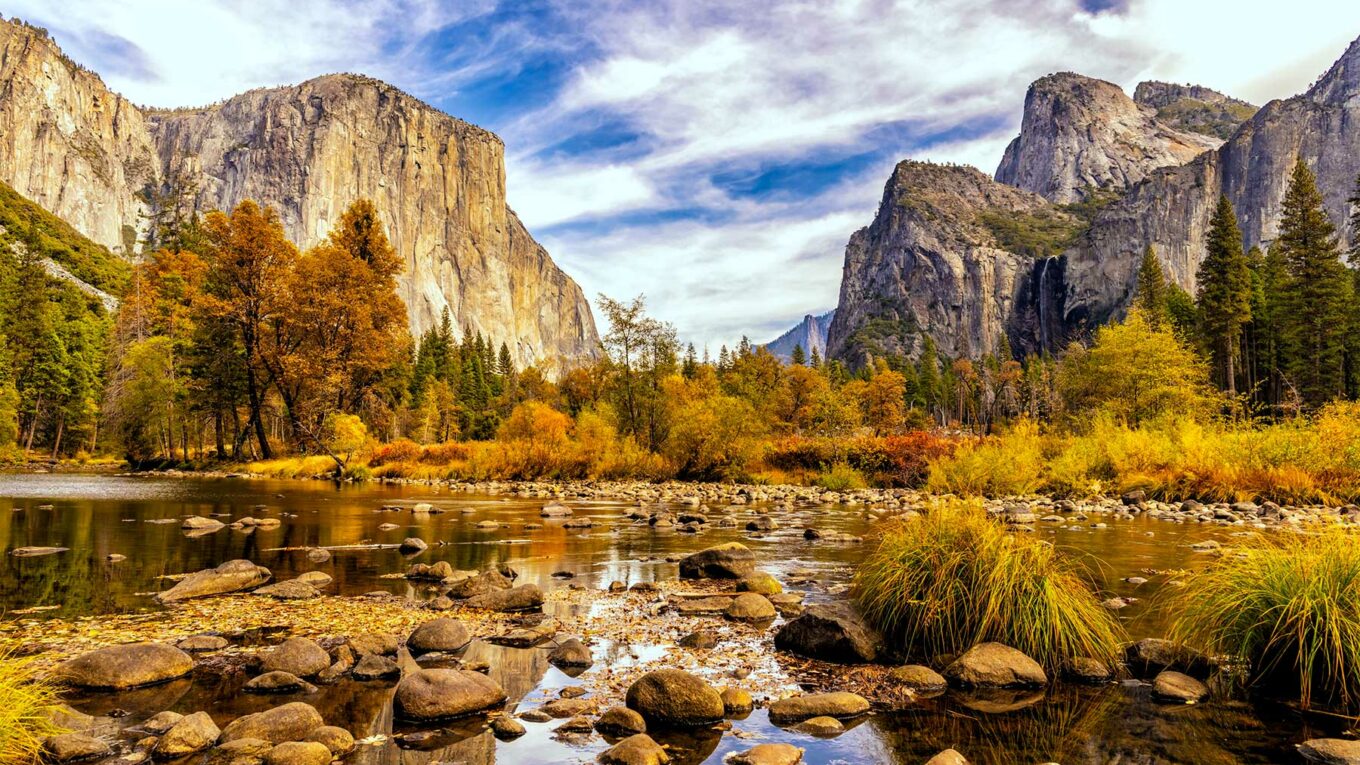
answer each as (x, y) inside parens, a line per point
(797, 357)
(1150, 293)
(1224, 299)
(1316, 295)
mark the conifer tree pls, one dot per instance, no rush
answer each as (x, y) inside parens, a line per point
(1315, 295)
(1150, 294)
(797, 357)
(1224, 300)
(928, 378)
(816, 359)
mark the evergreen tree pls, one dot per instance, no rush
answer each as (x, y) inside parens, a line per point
(816, 359)
(797, 357)
(690, 367)
(1150, 293)
(1316, 294)
(505, 364)
(1224, 300)
(1182, 314)
(928, 376)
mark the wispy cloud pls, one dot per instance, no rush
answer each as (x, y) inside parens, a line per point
(714, 156)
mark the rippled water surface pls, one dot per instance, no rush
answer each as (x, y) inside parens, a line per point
(96, 516)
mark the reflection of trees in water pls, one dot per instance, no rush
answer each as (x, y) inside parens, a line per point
(1075, 725)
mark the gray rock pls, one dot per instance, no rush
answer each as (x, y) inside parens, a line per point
(1084, 669)
(35, 552)
(831, 632)
(125, 666)
(507, 728)
(411, 545)
(289, 590)
(380, 643)
(821, 727)
(1150, 656)
(202, 643)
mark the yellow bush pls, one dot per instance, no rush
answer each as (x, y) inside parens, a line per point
(1010, 464)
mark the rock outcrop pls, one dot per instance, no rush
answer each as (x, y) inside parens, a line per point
(1194, 108)
(810, 335)
(936, 262)
(309, 150)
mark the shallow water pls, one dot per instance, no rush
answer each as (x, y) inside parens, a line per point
(95, 516)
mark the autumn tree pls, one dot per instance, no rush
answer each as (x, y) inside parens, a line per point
(885, 401)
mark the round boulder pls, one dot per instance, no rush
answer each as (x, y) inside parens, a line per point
(621, 721)
(830, 632)
(760, 582)
(337, 740)
(442, 634)
(298, 753)
(673, 697)
(289, 722)
(74, 747)
(440, 694)
(919, 678)
(750, 607)
(191, 733)
(768, 754)
(571, 653)
(1176, 687)
(993, 665)
(297, 656)
(727, 561)
(838, 704)
(638, 749)
(125, 666)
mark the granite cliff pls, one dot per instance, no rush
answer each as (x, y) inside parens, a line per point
(94, 159)
(809, 334)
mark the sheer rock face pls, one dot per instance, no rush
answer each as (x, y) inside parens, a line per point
(1172, 208)
(927, 266)
(308, 150)
(67, 142)
(1194, 108)
(1080, 134)
(809, 334)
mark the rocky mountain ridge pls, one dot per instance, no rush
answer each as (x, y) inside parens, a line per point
(1194, 108)
(939, 261)
(309, 150)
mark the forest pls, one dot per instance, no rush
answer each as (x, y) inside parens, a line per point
(231, 345)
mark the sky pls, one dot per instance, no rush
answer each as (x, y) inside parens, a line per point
(712, 156)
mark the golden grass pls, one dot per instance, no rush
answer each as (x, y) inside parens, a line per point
(26, 707)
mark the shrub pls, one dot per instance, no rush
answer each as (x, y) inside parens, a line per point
(911, 455)
(1011, 464)
(26, 707)
(1289, 606)
(401, 450)
(840, 477)
(444, 454)
(952, 578)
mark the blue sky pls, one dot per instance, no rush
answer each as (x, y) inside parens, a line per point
(714, 156)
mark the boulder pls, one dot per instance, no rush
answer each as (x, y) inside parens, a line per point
(555, 510)
(1150, 656)
(440, 694)
(750, 607)
(202, 643)
(315, 578)
(292, 589)
(560, 709)
(381, 643)
(289, 722)
(831, 632)
(522, 598)
(1084, 669)
(232, 576)
(298, 753)
(1331, 751)
(727, 561)
(487, 581)
(768, 754)
(701, 639)
(638, 749)
(821, 727)
(192, 733)
(919, 678)
(337, 740)
(442, 634)
(242, 751)
(277, 682)
(298, 656)
(412, 545)
(838, 704)
(157, 724)
(125, 666)
(374, 667)
(993, 665)
(947, 757)
(198, 524)
(1176, 687)
(507, 728)
(675, 698)
(571, 653)
(760, 582)
(620, 721)
(736, 702)
(74, 747)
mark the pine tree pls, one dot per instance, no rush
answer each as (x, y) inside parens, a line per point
(690, 367)
(1150, 294)
(1316, 293)
(928, 376)
(797, 357)
(505, 365)
(816, 359)
(1224, 300)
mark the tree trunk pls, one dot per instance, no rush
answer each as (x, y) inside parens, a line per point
(256, 420)
(61, 426)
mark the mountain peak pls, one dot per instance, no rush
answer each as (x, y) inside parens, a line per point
(1342, 81)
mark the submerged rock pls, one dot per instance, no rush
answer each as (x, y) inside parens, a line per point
(993, 665)
(1177, 687)
(768, 754)
(125, 666)
(1151, 656)
(74, 747)
(837, 704)
(33, 552)
(232, 576)
(673, 697)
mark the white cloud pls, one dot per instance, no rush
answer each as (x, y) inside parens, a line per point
(544, 195)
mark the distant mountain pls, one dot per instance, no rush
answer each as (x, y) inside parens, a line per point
(810, 333)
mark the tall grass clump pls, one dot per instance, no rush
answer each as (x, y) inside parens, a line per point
(1288, 605)
(952, 578)
(26, 707)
